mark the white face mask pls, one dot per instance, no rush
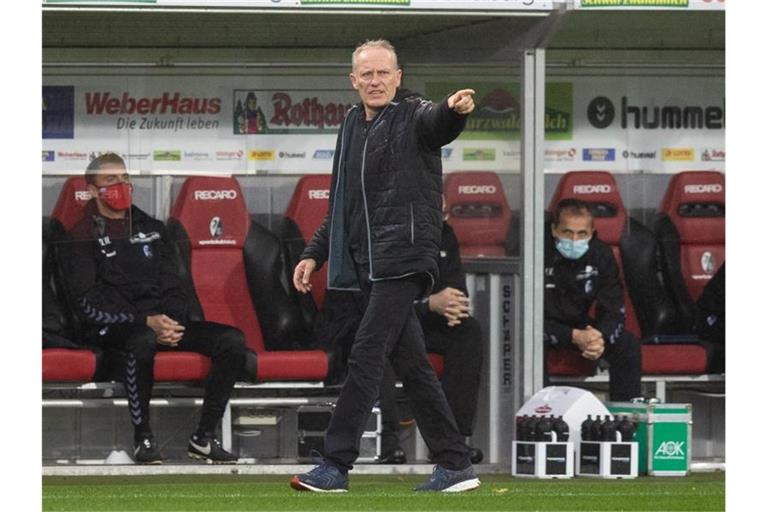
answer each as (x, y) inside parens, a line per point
(572, 249)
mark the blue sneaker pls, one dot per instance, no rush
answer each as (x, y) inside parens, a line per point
(446, 480)
(323, 478)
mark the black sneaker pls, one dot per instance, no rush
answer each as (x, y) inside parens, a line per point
(209, 450)
(146, 451)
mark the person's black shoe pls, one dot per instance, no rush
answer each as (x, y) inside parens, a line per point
(475, 455)
(396, 456)
(146, 451)
(209, 450)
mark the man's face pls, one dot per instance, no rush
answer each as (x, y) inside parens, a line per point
(574, 227)
(375, 77)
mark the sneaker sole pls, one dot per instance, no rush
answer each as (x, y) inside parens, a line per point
(466, 485)
(208, 460)
(149, 462)
(301, 486)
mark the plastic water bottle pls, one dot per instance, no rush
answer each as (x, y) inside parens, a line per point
(586, 428)
(595, 431)
(544, 429)
(627, 430)
(560, 428)
(608, 430)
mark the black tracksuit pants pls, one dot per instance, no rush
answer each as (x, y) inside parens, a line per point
(225, 345)
(462, 350)
(390, 329)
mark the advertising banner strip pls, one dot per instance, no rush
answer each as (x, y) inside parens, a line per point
(446, 5)
(694, 5)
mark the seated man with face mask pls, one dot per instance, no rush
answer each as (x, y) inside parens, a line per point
(579, 271)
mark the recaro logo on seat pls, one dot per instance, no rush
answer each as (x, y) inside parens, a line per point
(709, 188)
(477, 189)
(214, 195)
(82, 195)
(592, 189)
(319, 194)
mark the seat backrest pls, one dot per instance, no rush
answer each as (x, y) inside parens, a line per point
(478, 211)
(213, 215)
(71, 202)
(307, 209)
(691, 233)
(599, 188)
(695, 203)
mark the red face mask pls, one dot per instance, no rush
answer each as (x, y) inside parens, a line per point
(117, 196)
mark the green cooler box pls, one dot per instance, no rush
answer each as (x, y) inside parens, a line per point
(664, 433)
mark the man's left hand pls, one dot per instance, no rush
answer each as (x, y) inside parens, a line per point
(461, 101)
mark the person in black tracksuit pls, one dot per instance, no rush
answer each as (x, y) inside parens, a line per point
(382, 235)
(119, 272)
(580, 271)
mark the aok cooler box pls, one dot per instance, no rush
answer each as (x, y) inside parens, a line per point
(663, 434)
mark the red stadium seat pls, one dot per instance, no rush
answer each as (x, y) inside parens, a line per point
(478, 212)
(71, 203)
(307, 209)
(691, 232)
(68, 365)
(211, 218)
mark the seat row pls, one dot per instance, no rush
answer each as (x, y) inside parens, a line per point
(239, 271)
(664, 269)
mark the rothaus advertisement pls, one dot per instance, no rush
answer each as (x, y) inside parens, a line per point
(277, 124)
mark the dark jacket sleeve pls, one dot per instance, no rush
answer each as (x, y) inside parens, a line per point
(557, 334)
(95, 302)
(451, 273)
(611, 314)
(317, 248)
(438, 125)
(174, 299)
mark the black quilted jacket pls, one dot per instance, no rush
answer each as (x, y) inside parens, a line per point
(401, 178)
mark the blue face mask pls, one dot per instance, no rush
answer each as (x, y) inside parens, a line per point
(572, 249)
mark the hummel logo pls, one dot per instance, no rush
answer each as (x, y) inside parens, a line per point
(205, 450)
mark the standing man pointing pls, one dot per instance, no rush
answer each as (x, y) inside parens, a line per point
(382, 235)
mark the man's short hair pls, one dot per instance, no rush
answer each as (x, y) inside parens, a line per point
(373, 43)
(99, 162)
(571, 206)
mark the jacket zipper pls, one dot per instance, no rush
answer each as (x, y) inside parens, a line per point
(412, 220)
(365, 199)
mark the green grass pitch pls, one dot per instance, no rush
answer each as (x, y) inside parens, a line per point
(699, 492)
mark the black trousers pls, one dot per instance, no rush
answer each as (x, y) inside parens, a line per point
(625, 359)
(390, 329)
(462, 351)
(137, 343)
